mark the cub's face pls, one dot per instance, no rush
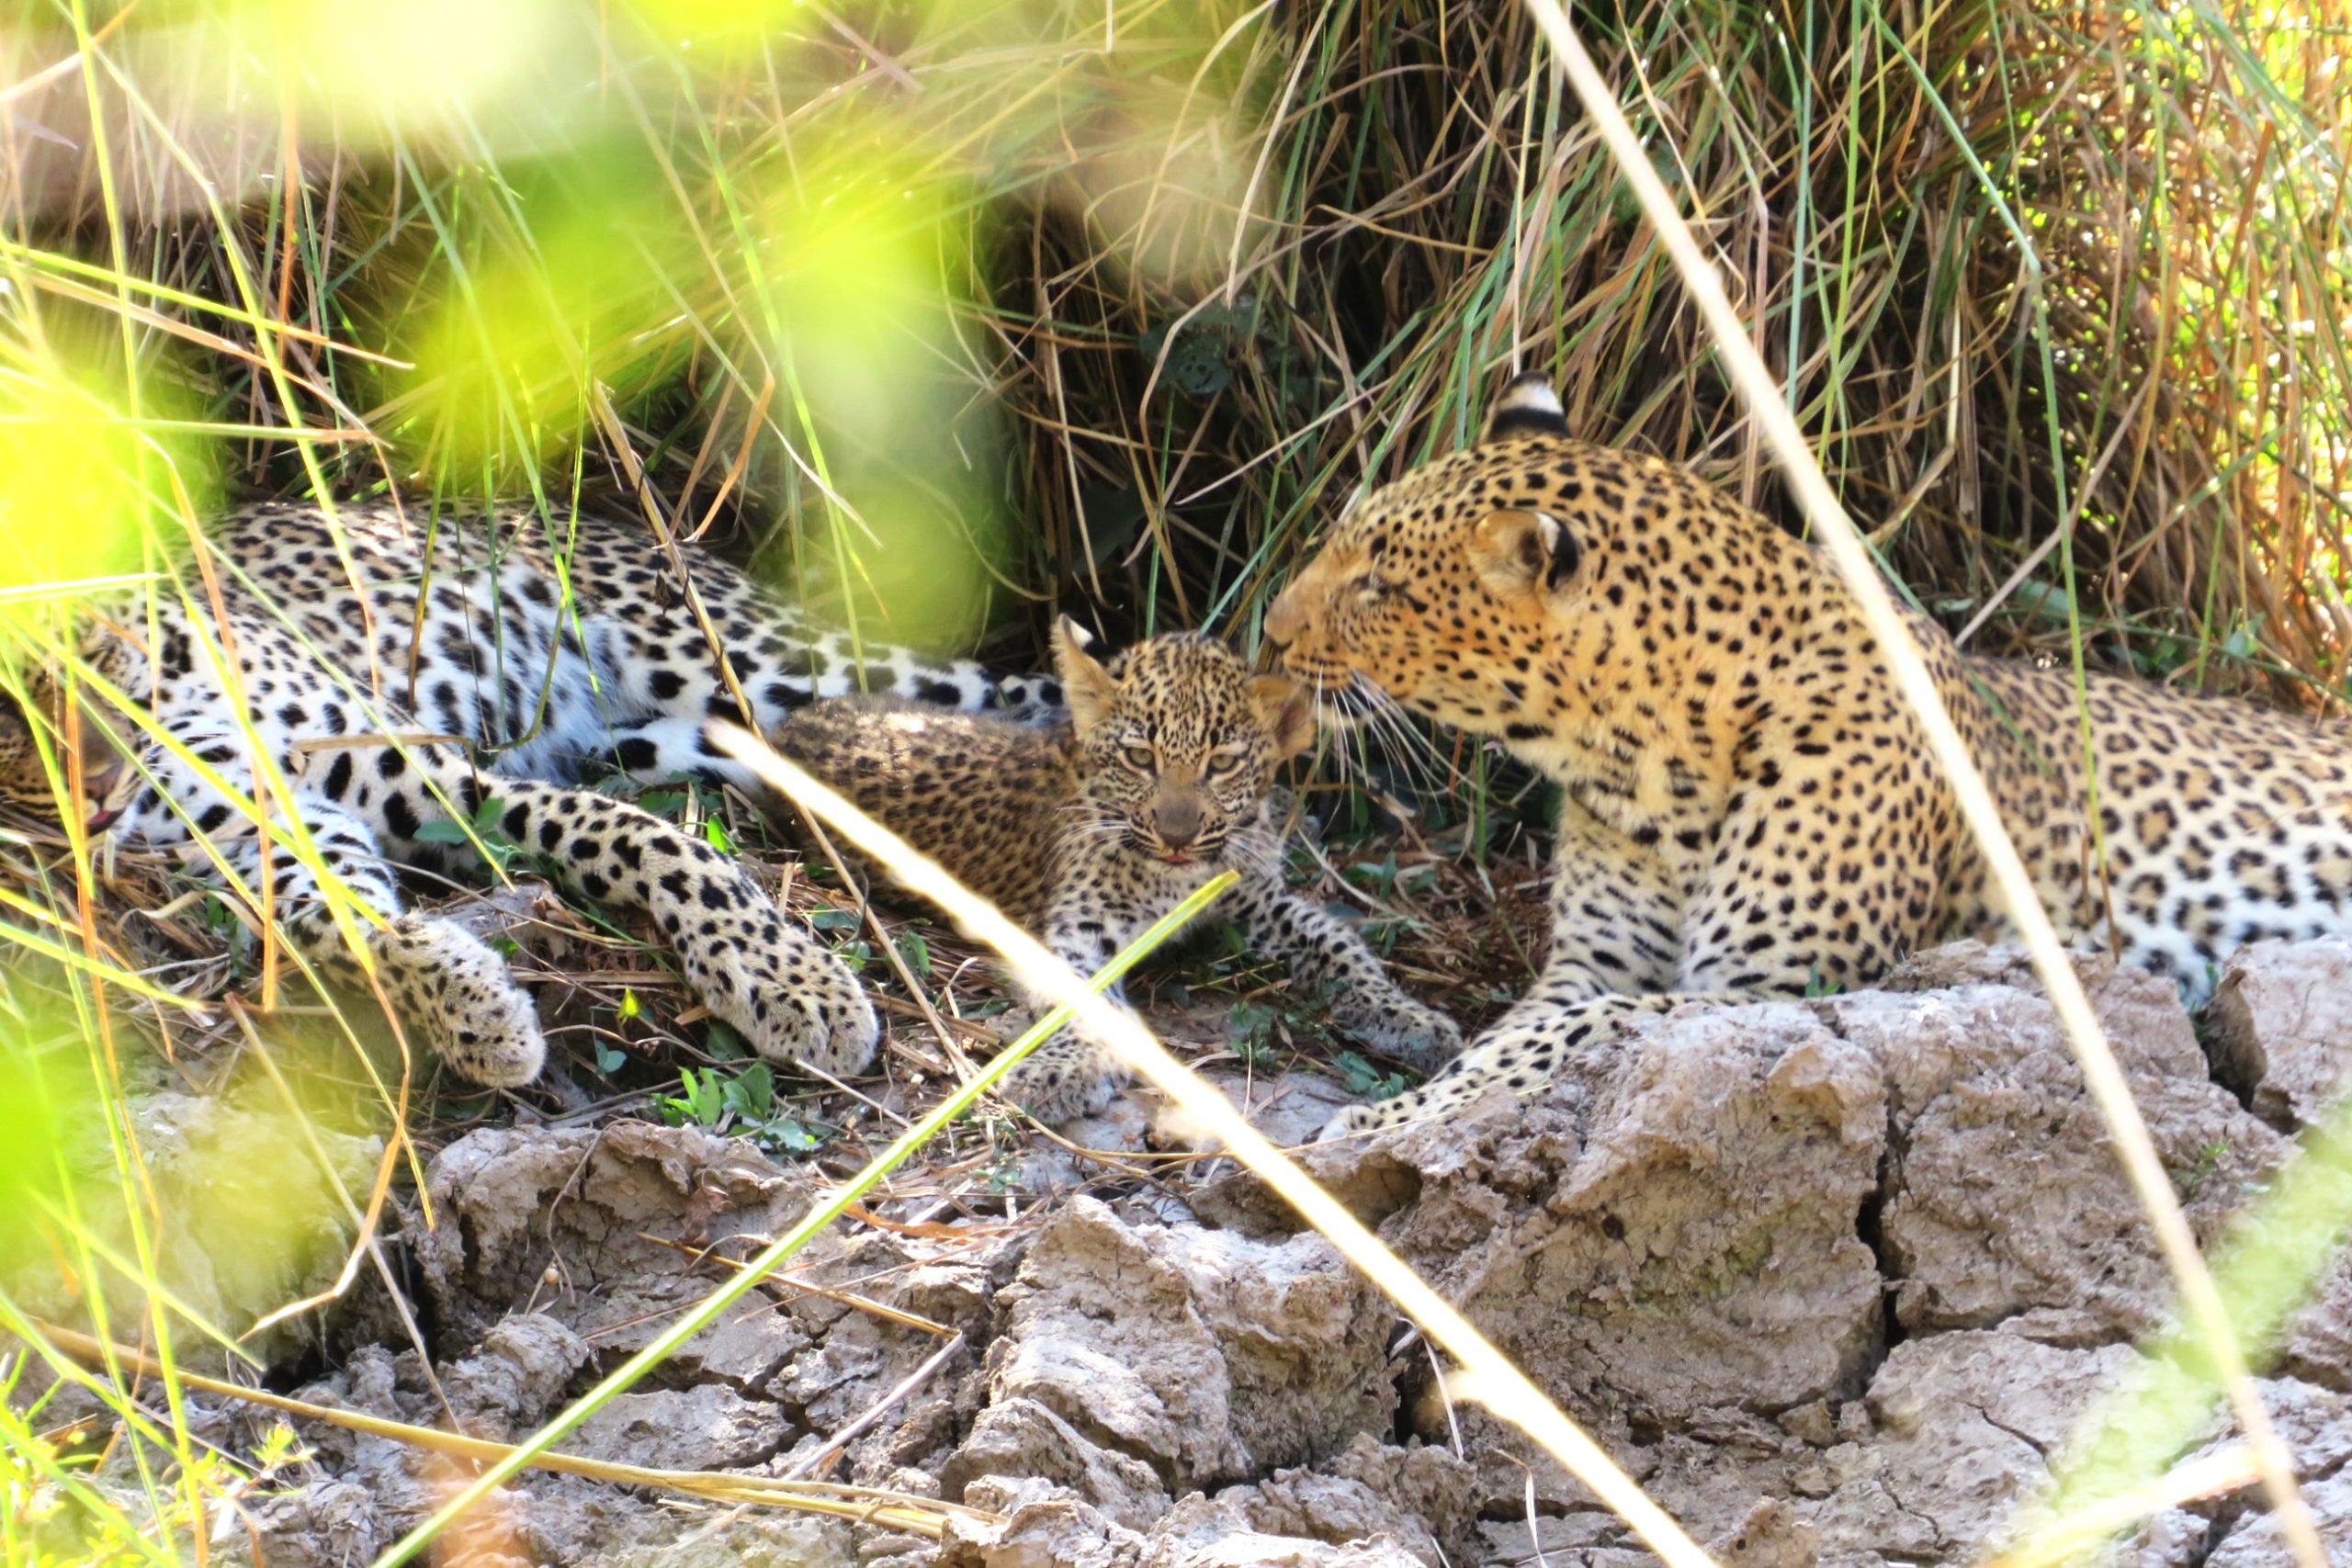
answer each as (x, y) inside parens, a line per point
(1445, 592)
(1180, 742)
(24, 778)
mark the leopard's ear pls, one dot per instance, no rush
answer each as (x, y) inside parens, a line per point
(1518, 552)
(1528, 407)
(1087, 687)
(1287, 710)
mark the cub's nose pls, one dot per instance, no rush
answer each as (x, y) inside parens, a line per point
(1177, 821)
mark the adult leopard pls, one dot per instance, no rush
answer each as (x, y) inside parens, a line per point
(1748, 806)
(367, 682)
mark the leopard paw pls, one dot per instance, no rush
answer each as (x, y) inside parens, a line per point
(1403, 1028)
(463, 999)
(792, 1000)
(1355, 1119)
(1064, 1079)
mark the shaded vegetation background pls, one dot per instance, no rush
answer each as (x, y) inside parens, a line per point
(978, 308)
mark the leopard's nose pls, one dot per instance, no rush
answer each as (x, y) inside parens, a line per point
(1177, 821)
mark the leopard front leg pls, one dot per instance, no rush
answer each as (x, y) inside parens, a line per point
(1522, 1057)
(1616, 920)
(1770, 916)
(1328, 955)
(443, 982)
(747, 960)
(1074, 1075)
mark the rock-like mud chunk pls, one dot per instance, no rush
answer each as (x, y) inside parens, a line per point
(1138, 1362)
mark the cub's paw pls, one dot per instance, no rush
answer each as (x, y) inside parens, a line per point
(1064, 1079)
(463, 999)
(790, 998)
(1355, 1119)
(1403, 1028)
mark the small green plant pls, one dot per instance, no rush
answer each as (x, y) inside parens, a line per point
(689, 803)
(2207, 1165)
(220, 922)
(1361, 1077)
(1255, 1026)
(744, 1104)
(720, 1039)
(914, 952)
(1004, 1171)
(486, 836)
(856, 952)
(1380, 933)
(1817, 985)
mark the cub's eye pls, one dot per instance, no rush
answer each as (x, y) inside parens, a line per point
(1222, 763)
(1139, 757)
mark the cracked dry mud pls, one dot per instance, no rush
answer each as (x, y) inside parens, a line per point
(1840, 1281)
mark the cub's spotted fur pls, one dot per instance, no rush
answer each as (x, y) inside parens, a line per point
(1749, 806)
(350, 690)
(1089, 833)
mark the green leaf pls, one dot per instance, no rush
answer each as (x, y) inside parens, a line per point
(916, 953)
(752, 1094)
(793, 1137)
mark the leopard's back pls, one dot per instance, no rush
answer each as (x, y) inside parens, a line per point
(987, 799)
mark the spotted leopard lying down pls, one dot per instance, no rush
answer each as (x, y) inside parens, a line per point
(1089, 832)
(437, 667)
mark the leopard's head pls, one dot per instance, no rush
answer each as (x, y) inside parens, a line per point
(39, 727)
(1180, 742)
(1494, 587)
(24, 779)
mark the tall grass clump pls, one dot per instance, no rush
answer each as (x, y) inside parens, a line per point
(946, 314)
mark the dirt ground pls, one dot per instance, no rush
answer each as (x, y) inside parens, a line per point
(1841, 1281)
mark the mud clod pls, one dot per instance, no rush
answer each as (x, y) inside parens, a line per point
(1176, 1374)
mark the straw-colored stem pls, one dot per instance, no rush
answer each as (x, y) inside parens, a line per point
(921, 1514)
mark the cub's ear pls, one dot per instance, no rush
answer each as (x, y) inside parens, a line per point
(1528, 407)
(1087, 687)
(1287, 710)
(1519, 552)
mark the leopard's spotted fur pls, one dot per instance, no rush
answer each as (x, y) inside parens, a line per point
(351, 689)
(1748, 808)
(1089, 832)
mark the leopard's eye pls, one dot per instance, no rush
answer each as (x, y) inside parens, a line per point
(1222, 763)
(1139, 757)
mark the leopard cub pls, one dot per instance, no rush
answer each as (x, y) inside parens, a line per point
(1089, 831)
